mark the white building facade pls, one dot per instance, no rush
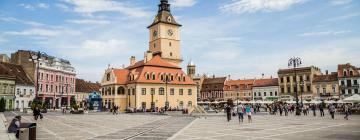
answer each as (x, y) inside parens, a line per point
(24, 95)
(266, 89)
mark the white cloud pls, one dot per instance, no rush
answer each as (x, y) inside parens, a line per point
(325, 33)
(251, 6)
(89, 21)
(344, 17)
(62, 7)
(43, 5)
(11, 19)
(183, 3)
(88, 7)
(340, 2)
(27, 6)
(34, 6)
(43, 32)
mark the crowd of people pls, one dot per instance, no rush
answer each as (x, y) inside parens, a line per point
(284, 109)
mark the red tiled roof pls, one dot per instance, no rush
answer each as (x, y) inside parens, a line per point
(155, 66)
(216, 80)
(325, 78)
(155, 61)
(121, 76)
(87, 87)
(348, 66)
(266, 82)
(241, 83)
(17, 71)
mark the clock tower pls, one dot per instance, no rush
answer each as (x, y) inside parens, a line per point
(165, 35)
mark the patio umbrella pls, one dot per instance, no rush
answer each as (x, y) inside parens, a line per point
(329, 101)
(355, 98)
(315, 102)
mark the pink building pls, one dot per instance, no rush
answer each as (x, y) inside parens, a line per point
(56, 79)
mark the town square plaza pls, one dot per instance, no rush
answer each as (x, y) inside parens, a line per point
(174, 126)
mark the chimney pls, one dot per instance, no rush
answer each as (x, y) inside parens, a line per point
(229, 77)
(213, 75)
(132, 60)
(326, 72)
(148, 56)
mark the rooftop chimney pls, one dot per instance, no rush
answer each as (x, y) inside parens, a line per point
(148, 56)
(132, 60)
(229, 77)
(326, 72)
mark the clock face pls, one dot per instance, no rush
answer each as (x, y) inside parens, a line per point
(155, 33)
(170, 32)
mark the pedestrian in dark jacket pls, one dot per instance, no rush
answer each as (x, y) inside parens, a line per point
(228, 112)
(14, 126)
(37, 113)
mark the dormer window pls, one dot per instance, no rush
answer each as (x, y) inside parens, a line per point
(108, 77)
(147, 76)
(153, 76)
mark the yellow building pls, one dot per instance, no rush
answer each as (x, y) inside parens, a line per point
(326, 86)
(7, 89)
(290, 80)
(158, 80)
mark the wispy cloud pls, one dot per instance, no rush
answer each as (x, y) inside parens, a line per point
(325, 33)
(88, 7)
(340, 2)
(62, 6)
(183, 3)
(344, 17)
(89, 21)
(15, 20)
(251, 6)
(34, 6)
(42, 32)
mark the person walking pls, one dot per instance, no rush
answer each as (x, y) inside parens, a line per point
(248, 113)
(37, 113)
(240, 112)
(281, 109)
(321, 108)
(285, 108)
(346, 111)
(228, 112)
(14, 126)
(313, 108)
(332, 111)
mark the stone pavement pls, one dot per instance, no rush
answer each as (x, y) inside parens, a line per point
(104, 126)
(265, 127)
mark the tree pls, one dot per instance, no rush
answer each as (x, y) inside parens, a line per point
(2, 104)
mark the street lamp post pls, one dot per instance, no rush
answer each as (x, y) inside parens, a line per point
(294, 63)
(166, 81)
(36, 58)
(301, 92)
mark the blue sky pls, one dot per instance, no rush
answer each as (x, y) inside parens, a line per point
(243, 38)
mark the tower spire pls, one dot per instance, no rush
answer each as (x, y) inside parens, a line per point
(164, 6)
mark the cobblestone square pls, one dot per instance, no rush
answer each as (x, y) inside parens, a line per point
(100, 126)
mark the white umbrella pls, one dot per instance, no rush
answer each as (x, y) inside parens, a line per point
(252, 101)
(315, 102)
(354, 98)
(291, 102)
(329, 101)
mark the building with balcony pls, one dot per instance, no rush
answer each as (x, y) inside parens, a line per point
(55, 79)
(298, 80)
(349, 77)
(326, 87)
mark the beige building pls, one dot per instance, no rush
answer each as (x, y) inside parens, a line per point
(304, 82)
(158, 80)
(4, 58)
(7, 89)
(326, 87)
(239, 89)
(143, 85)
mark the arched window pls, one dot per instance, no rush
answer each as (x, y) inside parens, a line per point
(120, 91)
(161, 91)
(161, 77)
(153, 76)
(147, 76)
(108, 77)
(171, 54)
